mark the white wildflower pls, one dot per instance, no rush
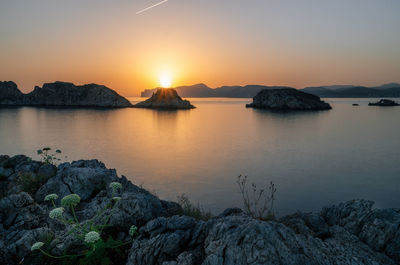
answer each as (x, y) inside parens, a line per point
(70, 200)
(92, 237)
(115, 185)
(37, 246)
(132, 230)
(51, 197)
(56, 213)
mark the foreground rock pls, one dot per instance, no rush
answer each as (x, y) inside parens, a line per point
(62, 94)
(165, 98)
(348, 233)
(384, 103)
(287, 99)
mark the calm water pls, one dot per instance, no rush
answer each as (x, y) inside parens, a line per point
(315, 159)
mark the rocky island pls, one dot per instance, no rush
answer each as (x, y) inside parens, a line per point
(62, 94)
(165, 98)
(384, 103)
(159, 233)
(287, 99)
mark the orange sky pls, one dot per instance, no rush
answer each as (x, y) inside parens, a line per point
(263, 42)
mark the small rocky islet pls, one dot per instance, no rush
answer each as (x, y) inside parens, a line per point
(353, 232)
(384, 103)
(287, 99)
(165, 98)
(62, 94)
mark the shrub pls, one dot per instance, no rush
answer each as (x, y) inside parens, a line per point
(258, 203)
(47, 157)
(100, 247)
(30, 182)
(195, 211)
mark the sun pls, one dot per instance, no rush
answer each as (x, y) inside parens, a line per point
(165, 80)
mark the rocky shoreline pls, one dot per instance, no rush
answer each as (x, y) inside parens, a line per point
(349, 233)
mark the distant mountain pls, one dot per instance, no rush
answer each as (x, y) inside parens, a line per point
(249, 91)
(388, 90)
(386, 86)
(202, 90)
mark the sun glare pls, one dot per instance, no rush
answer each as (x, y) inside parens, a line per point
(165, 80)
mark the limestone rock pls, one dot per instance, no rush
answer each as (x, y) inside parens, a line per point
(384, 103)
(70, 95)
(165, 98)
(287, 99)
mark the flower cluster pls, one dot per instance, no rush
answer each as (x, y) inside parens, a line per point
(51, 197)
(132, 230)
(92, 237)
(115, 186)
(70, 200)
(56, 213)
(37, 246)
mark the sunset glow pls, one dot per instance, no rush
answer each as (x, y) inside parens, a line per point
(165, 80)
(270, 43)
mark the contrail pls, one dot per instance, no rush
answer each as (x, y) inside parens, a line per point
(147, 8)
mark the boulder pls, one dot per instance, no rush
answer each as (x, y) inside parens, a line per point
(287, 99)
(384, 103)
(165, 98)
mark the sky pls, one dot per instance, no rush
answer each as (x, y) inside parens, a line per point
(216, 42)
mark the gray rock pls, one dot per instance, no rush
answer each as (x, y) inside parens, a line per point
(286, 100)
(243, 240)
(164, 240)
(165, 98)
(47, 171)
(16, 161)
(136, 209)
(378, 228)
(5, 172)
(85, 178)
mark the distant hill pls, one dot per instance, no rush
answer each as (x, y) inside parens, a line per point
(249, 91)
(387, 90)
(202, 90)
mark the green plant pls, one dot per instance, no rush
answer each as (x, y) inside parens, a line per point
(258, 203)
(195, 211)
(99, 245)
(47, 157)
(30, 181)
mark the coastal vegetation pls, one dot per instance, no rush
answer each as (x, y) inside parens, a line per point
(48, 157)
(257, 202)
(96, 243)
(189, 209)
